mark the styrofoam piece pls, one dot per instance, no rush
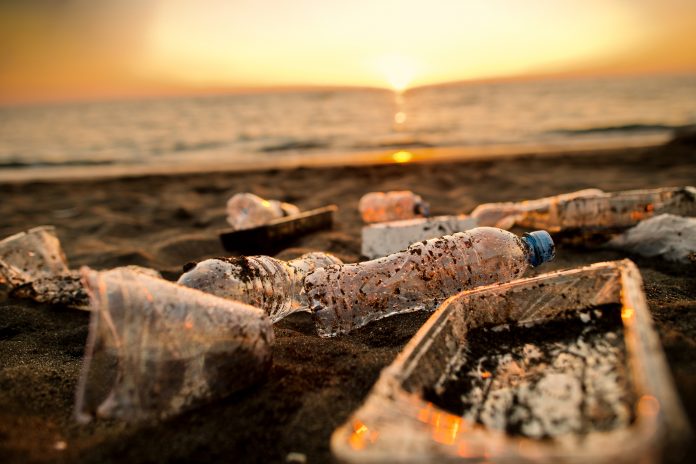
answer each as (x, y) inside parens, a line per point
(397, 425)
(389, 237)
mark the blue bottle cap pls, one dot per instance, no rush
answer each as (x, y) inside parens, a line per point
(422, 208)
(541, 247)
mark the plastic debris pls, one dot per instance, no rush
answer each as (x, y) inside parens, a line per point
(345, 297)
(504, 215)
(270, 284)
(389, 237)
(246, 210)
(278, 233)
(28, 256)
(627, 393)
(667, 236)
(33, 266)
(156, 348)
(586, 210)
(392, 206)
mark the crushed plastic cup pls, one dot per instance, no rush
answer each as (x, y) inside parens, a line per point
(345, 297)
(392, 206)
(156, 348)
(273, 285)
(31, 255)
(246, 211)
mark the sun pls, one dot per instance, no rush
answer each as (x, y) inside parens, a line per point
(398, 70)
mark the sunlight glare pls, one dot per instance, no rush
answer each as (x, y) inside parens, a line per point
(398, 70)
(402, 156)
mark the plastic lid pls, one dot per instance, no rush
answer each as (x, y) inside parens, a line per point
(541, 247)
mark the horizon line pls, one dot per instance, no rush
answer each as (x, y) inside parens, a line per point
(182, 91)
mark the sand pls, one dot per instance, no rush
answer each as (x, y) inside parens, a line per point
(166, 221)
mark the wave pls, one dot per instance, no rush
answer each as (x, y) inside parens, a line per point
(294, 145)
(16, 164)
(181, 146)
(396, 144)
(631, 128)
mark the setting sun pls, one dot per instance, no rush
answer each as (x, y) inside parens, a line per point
(399, 71)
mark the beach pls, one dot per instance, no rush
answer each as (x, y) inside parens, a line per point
(166, 221)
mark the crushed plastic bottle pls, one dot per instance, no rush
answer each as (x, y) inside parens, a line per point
(156, 348)
(392, 206)
(587, 210)
(270, 284)
(31, 255)
(504, 215)
(345, 297)
(246, 210)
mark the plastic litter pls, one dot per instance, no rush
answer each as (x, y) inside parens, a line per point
(392, 206)
(277, 234)
(345, 297)
(31, 255)
(585, 210)
(400, 422)
(246, 210)
(667, 236)
(156, 348)
(389, 237)
(504, 215)
(270, 284)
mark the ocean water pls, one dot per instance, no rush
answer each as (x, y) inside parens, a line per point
(268, 128)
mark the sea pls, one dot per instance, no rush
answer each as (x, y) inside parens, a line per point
(344, 126)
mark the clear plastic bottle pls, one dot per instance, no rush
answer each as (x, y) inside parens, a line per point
(246, 210)
(345, 297)
(392, 206)
(156, 348)
(504, 215)
(273, 285)
(599, 210)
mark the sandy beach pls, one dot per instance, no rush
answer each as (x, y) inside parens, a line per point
(165, 221)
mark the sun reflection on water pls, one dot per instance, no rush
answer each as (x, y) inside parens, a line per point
(402, 156)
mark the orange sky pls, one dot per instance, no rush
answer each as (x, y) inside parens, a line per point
(86, 49)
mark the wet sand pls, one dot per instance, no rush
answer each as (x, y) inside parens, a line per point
(166, 221)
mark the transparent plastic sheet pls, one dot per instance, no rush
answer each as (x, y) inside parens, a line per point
(31, 255)
(273, 285)
(246, 210)
(346, 297)
(156, 348)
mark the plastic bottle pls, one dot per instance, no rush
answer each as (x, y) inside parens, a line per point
(392, 206)
(505, 214)
(156, 348)
(345, 297)
(273, 285)
(588, 210)
(246, 210)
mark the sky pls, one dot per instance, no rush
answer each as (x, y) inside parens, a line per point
(85, 49)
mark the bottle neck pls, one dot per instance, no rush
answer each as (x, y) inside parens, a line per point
(540, 247)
